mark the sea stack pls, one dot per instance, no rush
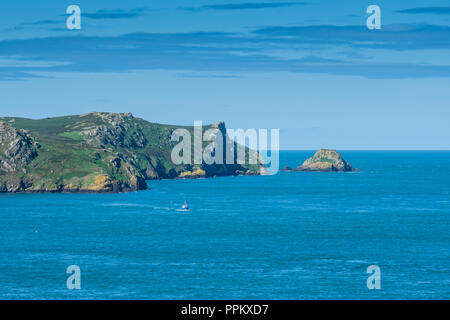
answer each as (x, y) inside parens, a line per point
(325, 160)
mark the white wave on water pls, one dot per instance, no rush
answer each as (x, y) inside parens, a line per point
(138, 205)
(359, 262)
(124, 205)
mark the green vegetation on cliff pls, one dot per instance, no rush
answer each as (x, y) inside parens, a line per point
(95, 152)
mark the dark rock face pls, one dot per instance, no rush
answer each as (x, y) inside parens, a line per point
(236, 168)
(15, 185)
(325, 160)
(17, 149)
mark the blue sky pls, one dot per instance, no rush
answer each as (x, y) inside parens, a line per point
(310, 68)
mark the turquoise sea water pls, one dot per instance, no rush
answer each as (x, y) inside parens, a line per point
(288, 236)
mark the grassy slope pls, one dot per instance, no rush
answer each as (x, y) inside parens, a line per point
(58, 156)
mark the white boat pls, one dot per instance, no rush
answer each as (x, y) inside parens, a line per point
(185, 207)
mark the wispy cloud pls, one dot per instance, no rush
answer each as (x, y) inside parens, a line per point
(247, 6)
(392, 37)
(115, 14)
(14, 62)
(427, 10)
(42, 23)
(269, 49)
(209, 75)
(102, 14)
(16, 75)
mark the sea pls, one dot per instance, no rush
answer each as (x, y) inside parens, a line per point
(293, 235)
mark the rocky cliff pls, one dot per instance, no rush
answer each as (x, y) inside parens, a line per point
(95, 152)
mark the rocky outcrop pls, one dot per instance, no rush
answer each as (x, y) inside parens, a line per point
(196, 173)
(17, 148)
(115, 135)
(255, 166)
(324, 160)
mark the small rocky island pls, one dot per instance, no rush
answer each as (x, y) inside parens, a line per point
(324, 160)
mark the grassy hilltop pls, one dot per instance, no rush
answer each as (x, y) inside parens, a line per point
(95, 152)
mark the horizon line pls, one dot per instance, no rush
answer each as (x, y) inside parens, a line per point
(363, 149)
